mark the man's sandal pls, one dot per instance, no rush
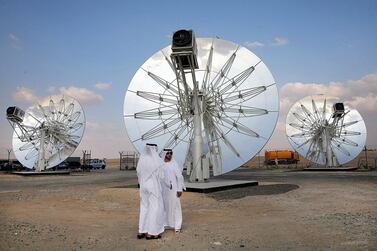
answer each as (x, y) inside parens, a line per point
(141, 236)
(153, 237)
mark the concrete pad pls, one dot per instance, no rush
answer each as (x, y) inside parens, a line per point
(218, 185)
(9, 190)
(330, 169)
(26, 173)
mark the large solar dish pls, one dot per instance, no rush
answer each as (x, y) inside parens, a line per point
(239, 104)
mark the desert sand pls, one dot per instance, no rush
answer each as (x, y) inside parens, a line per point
(99, 211)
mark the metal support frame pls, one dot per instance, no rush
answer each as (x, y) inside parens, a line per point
(193, 107)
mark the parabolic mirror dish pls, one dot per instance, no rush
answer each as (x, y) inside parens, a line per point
(310, 116)
(63, 121)
(239, 103)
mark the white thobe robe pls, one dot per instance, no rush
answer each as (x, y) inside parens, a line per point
(173, 183)
(151, 218)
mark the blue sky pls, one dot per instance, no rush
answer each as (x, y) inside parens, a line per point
(49, 45)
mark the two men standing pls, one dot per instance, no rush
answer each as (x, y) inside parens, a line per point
(161, 184)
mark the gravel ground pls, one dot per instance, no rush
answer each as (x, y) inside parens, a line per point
(99, 211)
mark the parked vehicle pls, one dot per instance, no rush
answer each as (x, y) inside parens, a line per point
(97, 164)
(12, 165)
(281, 157)
(73, 162)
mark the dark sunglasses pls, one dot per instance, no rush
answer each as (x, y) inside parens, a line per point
(169, 153)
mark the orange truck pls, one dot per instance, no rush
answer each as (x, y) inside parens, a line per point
(281, 157)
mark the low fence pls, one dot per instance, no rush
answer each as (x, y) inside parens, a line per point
(128, 160)
(367, 163)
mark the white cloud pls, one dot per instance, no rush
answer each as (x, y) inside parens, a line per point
(365, 104)
(92, 125)
(253, 45)
(305, 89)
(51, 89)
(14, 41)
(24, 94)
(280, 41)
(367, 84)
(358, 93)
(83, 95)
(13, 37)
(102, 86)
(292, 92)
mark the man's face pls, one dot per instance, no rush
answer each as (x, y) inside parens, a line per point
(168, 156)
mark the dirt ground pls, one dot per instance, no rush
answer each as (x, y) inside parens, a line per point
(99, 211)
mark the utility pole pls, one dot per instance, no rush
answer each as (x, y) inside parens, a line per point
(366, 156)
(9, 151)
(120, 160)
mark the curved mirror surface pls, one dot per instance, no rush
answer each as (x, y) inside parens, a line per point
(310, 117)
(239, 104)
(60, 121)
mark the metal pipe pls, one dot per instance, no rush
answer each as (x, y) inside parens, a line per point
(366, 157)
(198, 141)
(41, 165)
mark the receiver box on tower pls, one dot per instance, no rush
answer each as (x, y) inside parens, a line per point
(184, 49)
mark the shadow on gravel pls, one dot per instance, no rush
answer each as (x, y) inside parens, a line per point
(239, 193)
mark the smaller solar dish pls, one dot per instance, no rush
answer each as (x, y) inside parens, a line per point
(62, 120)
(319, 125)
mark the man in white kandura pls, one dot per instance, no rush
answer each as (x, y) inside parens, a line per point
(149, 173)
(172, 186)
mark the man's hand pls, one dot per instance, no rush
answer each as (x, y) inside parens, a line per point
(179, 194)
